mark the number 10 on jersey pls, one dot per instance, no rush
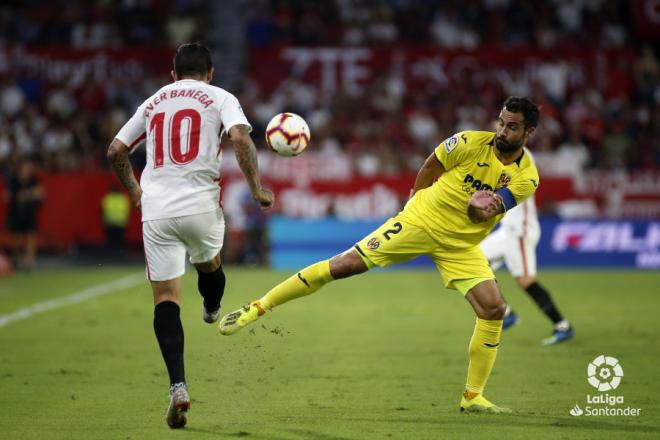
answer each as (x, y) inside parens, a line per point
(182, 147)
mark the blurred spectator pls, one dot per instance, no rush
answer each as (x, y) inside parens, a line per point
(616, 146)
(449, 32)
(181, 29)
(572, 154)
(23, 195)
(66, 123)
(12, 100)
(422, 126)
(647, 75)
(63, 116)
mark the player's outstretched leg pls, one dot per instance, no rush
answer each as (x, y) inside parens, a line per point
(489, 307)
(303, 283)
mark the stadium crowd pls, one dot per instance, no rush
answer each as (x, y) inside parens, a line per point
(65, 126)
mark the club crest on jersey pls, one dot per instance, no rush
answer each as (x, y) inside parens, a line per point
(503, 180)
(450, 143)
(373, 244)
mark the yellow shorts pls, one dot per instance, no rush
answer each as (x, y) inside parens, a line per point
(397, 241)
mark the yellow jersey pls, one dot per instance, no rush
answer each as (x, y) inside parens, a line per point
(470, 165)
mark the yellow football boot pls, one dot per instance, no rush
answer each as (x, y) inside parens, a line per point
(234, 321)
(480, 404)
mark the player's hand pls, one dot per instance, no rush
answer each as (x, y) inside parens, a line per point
(264, 197)
(487, 201)
(136, 198)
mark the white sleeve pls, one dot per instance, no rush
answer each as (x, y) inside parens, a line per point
(232, 114)
(134, 131)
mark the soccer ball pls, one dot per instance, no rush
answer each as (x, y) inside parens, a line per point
(287, 134)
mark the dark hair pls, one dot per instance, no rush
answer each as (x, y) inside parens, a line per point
(192, 59)
(524, 105)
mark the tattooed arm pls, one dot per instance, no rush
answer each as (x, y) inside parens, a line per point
(118, 158)
(246, 155)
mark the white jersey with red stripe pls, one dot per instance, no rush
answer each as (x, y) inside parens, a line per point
(183, 124)
(514, 242)
(522, 220)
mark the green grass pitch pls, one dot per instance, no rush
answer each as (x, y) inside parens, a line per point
(379, 356)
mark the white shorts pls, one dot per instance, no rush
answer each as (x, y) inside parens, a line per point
(518, 252)
(167, 240)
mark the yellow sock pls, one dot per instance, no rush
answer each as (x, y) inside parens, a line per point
(483, 351)
(305, 282)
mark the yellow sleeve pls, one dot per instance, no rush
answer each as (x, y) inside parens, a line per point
(525, 185)
(519, 188)
(452, 151)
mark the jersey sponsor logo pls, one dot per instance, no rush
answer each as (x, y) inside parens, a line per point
(373, 244)
(482, 164)
(450, 143)
(470, 185)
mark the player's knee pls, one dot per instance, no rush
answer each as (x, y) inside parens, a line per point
(500, 310)
(525, 281)
(346, 264)
(166, 296)
(209, 266)
(494, 310)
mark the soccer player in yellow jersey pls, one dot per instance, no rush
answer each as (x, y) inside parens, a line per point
(462, 190)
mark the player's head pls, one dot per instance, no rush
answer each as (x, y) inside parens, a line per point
(516, 123)
(192, 60)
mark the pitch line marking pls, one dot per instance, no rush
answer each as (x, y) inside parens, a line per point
(74, 298)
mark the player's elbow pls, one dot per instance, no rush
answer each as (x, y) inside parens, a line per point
(240, 145)
(111, 154)
(239, 135)
(115, 151)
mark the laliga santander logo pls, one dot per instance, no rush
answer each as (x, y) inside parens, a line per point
(604, 373)
(576, 411)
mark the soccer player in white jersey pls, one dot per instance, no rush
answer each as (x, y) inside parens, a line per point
(179, 195)
(514, 244)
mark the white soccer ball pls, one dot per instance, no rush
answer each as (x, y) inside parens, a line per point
(287, 134)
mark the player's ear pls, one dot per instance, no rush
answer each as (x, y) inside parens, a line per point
(530, 132)
(209, 75)
(173, 73)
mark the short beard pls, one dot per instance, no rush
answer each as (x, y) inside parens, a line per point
(505, 147)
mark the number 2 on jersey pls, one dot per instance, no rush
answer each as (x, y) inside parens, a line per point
(397, 228)
(178, 155)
